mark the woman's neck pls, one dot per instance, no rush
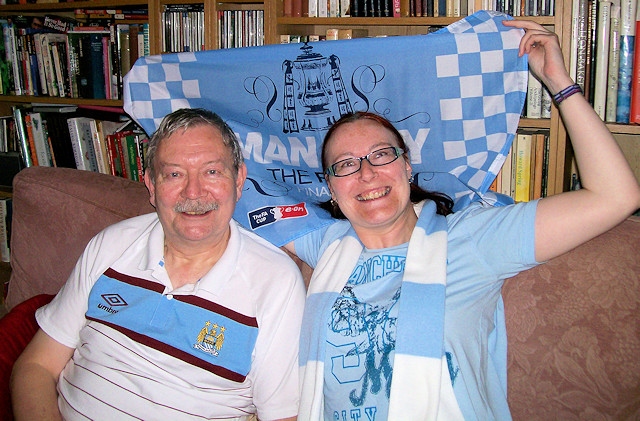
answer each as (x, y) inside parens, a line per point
(385, 236)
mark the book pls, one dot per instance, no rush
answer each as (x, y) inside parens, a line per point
(32, 144)
(57, 130)
(634, 107)
(582, 42)
(51, 76)
(505, 174)
(99, 146)
(6, 72)
(625, 72)
(538, 172)
(603, 25)
(82, 143)
(522, 168)
(287, 8)
(534, 97)
(9, 33)
(21, 132)
(37, 40)
(5, 228)
(40, 140)
(614, 62)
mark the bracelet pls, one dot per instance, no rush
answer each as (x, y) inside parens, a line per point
(566, 93)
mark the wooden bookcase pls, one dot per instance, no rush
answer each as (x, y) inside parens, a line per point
(276, 24)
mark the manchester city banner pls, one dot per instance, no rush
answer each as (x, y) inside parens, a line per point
(455, 95)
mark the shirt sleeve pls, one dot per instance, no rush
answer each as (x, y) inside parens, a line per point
(502, 237)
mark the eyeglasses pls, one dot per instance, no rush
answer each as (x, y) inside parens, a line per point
(376, 158)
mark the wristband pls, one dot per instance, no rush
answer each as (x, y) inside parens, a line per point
(566, 93)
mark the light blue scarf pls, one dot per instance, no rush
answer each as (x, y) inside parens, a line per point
(421, 387)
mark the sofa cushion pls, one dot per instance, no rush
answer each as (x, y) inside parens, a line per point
(43, 252)
(574, 335)
(16, 330)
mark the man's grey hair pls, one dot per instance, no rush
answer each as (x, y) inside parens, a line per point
(187, 118)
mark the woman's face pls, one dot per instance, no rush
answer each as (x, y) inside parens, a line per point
(375, 197)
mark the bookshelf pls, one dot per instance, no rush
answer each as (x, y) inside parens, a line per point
(276, 24)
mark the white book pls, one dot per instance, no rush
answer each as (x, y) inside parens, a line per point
(334, 9)
(37, 44)
(82, 143)
(323, 9)
(40, 140)
(313, 8)
(534, 97)
(603, 25)
(546, 103)
(99, 146)
(573, 58)
(614, 63)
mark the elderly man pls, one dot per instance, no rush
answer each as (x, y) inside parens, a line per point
(178, 314)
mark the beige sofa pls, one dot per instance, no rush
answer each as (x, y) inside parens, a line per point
(573, 323)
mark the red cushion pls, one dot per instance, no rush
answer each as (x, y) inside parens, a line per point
(16, 330)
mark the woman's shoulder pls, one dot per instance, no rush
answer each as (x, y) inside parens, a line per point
(479, 215)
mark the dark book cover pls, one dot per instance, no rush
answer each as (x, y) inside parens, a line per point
(97, 66)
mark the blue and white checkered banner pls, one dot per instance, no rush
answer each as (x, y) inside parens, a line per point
(455, 95)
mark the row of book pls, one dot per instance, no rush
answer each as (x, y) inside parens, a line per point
(182, 28)
(85, 62)
(524, 175)
(73, 138)
(240, 28)
(330, 34)
(427, 8)
(605, 59)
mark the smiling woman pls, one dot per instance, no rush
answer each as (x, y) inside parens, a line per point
(405, 298)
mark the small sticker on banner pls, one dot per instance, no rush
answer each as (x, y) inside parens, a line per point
(270, 214)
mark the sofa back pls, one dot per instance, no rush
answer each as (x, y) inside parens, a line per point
(56, 211)
(573, 323)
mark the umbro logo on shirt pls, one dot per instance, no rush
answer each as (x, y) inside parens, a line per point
(113, 300)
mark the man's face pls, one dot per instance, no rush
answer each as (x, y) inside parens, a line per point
(196, 187)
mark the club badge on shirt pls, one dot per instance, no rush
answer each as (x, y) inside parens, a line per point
(210, 338)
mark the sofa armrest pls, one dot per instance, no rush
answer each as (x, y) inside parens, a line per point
(16, 330)
(574, 332)
(56, 211)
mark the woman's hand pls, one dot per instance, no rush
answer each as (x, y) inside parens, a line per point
(545, 56)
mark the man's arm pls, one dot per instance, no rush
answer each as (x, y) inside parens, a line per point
(34, 378)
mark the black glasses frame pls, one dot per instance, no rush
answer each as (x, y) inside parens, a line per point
(331, 170)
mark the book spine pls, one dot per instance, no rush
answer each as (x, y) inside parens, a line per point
(21, 132)
(32, 143)
(98, 147)
(287, 9)
(47, 63)
(13, 54)
(614, 63)
(523, 167)
(132, 155)
(37, 39)
(534, 97)
(76, 144)
(40, 141)
(505, 174)
(625, 71)
(603, 24)
(634, 108)
(582, 42)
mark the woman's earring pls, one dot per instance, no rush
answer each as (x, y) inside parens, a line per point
(411, 179)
